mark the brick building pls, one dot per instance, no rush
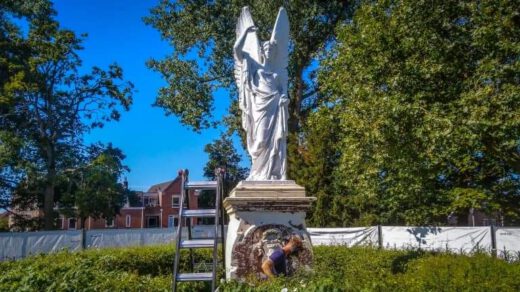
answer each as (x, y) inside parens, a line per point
(156, 208)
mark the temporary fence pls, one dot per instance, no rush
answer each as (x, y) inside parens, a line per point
(16, 245)
(501, 241)
(508, 242)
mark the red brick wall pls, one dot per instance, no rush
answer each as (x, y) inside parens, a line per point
(167, 197)
(135, 218)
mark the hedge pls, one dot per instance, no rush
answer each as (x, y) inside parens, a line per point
(336, 269)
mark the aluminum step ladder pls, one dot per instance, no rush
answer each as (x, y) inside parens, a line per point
(192, 243)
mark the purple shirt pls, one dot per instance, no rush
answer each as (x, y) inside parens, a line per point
(278, 259)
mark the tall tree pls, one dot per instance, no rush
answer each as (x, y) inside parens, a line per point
(54, 105)
(202, 34)
(427, 95)
(14, 57)
(94, 189)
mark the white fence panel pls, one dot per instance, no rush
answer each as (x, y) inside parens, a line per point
(204, 231)
(344, 236)
(508, 241)
(12, 245)
(127, 237)
(53, 241)
(158, 236)
(139, 237)
(19, 245)
(457, 239)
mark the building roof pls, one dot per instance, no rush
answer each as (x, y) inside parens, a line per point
(161, 186)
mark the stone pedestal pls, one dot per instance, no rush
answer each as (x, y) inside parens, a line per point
(263, 216)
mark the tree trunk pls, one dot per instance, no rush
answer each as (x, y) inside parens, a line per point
(50, 184)
(48, 203)
(295, 106)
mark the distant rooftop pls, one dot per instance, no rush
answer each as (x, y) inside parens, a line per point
(161, 186)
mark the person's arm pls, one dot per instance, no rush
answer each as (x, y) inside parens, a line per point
(267, 268)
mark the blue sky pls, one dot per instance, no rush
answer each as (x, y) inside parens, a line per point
(156, 146)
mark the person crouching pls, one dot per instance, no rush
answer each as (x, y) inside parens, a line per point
(276, 263)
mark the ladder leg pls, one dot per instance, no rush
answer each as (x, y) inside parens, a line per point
(188, 225)
(218, 197)
(223, 235)
(178, 236)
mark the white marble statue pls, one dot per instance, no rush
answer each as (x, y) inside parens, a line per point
(261, 76)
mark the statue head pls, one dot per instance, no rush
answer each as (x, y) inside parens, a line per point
(268, 49)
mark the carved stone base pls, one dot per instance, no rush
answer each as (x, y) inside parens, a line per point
(263, 216)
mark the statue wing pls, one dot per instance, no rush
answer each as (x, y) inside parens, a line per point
(280, 35)
(251, 43)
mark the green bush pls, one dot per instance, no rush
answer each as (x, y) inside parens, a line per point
(369, 269)
(335, 269)
(124, 269)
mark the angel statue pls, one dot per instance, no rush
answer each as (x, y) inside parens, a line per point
(261, 76)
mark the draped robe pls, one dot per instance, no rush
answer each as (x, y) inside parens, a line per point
(264, 119)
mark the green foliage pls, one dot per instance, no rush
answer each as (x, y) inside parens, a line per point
(46, 104)
(128, 269)
(367, 269)
(335, 269)
(425, 95)
(192, 81)
(222, 154)
(93, 189)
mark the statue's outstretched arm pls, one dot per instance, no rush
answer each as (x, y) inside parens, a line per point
(239, 43)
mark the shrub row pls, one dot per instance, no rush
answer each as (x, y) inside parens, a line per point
(336, 269)
(370, 269)
(124, 269)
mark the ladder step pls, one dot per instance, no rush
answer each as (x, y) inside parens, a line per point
(197, 243)
(201, 185)
(199, 213)
(194, 277)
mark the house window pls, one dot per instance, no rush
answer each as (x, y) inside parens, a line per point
(128, 222)
(176, 201)
(72, 223)
(151, 201)
(109, 222)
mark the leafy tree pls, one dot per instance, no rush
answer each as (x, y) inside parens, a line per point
(94, 189)
(14, 56)
(202, 34)
(321, 153)
(52, 105)
(427, 97)
(222, 153)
